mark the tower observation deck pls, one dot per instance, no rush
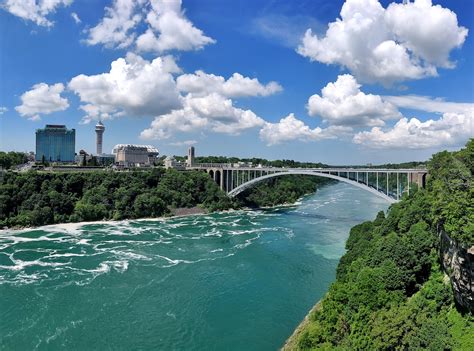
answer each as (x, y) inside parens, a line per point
(99, 130)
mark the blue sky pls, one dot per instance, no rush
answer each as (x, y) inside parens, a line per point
(259, 92)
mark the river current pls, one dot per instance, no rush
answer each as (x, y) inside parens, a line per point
(226, 281)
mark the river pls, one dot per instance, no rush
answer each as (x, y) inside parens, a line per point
(225, 281)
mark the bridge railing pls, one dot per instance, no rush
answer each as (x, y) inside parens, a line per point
(212, 165)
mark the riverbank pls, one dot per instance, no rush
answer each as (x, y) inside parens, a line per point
(291, 344)
(175, 213)
(54, 198)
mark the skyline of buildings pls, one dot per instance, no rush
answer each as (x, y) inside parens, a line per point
(56, 143)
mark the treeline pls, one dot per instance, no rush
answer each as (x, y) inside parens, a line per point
(255, 161)
(295, 164)
(37, 198)
(412, 164)
(281, 190)
(11, 159)
(390, 293)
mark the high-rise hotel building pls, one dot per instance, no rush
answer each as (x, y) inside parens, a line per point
(55, 143)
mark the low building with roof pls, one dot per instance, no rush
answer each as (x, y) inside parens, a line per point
(170, 162)
(132, 155)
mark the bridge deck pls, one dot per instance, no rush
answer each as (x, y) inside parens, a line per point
(284, 169)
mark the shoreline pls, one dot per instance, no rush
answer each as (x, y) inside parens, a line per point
(75, 225)
(178, 213)
(291, 344)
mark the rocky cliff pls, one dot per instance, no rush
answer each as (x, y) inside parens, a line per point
(458, 263)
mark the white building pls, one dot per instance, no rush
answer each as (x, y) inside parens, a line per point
(170, 162)
(130, 155)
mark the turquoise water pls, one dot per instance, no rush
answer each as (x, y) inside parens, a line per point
(228, 281)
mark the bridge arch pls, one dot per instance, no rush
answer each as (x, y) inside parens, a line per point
(253, 182)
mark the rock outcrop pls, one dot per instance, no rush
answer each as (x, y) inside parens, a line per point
(458, 263)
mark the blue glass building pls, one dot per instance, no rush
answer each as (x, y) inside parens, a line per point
(55, 143)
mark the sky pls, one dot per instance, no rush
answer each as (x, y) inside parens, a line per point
(332, 81)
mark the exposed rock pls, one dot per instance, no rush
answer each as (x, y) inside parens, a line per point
(458, 263)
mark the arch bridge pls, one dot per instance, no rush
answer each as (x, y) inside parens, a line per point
(389, 184)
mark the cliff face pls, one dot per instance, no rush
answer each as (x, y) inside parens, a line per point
(458, 263)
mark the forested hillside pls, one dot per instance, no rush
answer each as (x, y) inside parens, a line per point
(281, 190)
(35, 198)
(11, 159)
(38, 198)
(390, 292)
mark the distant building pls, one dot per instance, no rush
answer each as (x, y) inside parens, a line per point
(55, 143)
(82, 158)
(170, 162)
(105, 159)
(99, 131)
(241, 164)
(129, 155)
(190, 161)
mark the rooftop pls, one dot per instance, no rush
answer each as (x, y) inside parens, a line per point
(56, 126)
(149, 148)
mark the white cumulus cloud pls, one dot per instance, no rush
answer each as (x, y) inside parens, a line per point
(34, 10)
(3, 109)
(184, 143)
(342, 103)
(213, 112)
(452, 129)
(116, 28)
(290, 128)
(75, 17)
(202, 83)
(147, 26)
(134, 86)
(42, 99)
(401, 42)
(426, 103)
(169, 29)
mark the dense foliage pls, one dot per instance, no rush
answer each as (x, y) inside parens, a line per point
(450, 192)
(36, 198)
(281, 190)
(39, 198)
(412, 164)
(11, 159)
(390, 293)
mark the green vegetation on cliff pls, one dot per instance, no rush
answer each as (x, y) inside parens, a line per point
(11, 159)
(39, 198)
(390, 293)
(36, 198)
(281, 190)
